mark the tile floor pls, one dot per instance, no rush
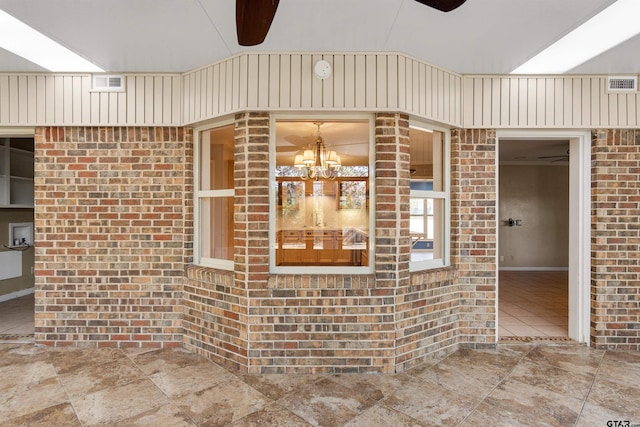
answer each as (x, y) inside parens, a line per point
(542, 385)
(16, 316)
(533, 304)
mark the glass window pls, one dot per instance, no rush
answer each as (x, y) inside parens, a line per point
(322, 185)
(428, 210)
(214, 197)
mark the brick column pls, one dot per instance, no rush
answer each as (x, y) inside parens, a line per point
(392, 239)
(251, 215)
(112, 209)
(615, 239)
(473, 232)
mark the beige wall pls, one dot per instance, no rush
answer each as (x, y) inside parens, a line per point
(539, 196)
(7, 216)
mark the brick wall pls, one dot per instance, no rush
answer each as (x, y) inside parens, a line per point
(113, 220)
(473, 232)
(222, 298)
(215, 320)
(322, 324)
(291, 323)
(615, 239)
(427, 317)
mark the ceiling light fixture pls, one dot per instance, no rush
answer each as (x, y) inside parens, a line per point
(22, 40)
(614, 25)
(316, 161)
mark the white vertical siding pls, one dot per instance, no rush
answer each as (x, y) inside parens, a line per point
(67, 99)
(280, 82)
(360, 81)
(546, 102)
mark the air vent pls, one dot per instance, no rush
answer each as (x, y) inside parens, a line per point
(622, 83)
(108, 83)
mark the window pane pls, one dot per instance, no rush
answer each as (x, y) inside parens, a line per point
(216, 228)
(322, 214)
(426, 230)
(216, 158)
(427, 151)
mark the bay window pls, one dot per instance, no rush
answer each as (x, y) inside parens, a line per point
(214, 197)
(320, 195)
(429, 198)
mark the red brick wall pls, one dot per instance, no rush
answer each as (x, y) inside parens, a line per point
(222, 298)
(473, 232)
(615, 239)
(215, 320)
(427, 317)
(113, 218)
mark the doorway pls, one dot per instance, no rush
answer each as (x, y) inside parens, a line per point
(17, 252)
(543, 234)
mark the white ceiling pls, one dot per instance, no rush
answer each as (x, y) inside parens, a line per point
(480, 37)
(534, 152)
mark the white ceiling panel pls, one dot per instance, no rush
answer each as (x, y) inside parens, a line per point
(16, 64)
(125, 35)
(487, 36)
(622, 59)
(480, 37)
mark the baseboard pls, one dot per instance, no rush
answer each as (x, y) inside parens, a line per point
(16, 294)
(533, 268)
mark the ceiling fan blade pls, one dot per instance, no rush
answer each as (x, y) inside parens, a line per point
(253, 19)
(442, 5)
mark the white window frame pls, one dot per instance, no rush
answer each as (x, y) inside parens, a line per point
(445, 195)
(273, 191)
(200, 195)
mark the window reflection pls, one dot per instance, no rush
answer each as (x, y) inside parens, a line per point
(322, 222)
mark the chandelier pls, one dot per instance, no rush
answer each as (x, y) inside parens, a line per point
(316, 162)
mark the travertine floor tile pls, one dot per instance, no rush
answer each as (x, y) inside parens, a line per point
(533, 404)
(374, 387)
(111, 405)
(275, 386)
(594, 415)
(545, 385)
(85, 379)
(27, 397)
(431, 404)
(572, 358)
(56, 415)
(223, 403)
(622, 367)
(168, 415)
(273, 415)
(487, 415)
(557, 380)
(69, 359)
(383, 416)
(326, 403)
(616, 397)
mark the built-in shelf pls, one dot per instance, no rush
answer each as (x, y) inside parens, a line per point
(16, 172)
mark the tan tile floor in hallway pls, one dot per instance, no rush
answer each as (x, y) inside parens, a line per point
(533, 304)
(544, 385)
(17, 317)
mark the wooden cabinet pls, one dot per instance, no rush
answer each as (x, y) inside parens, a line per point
(315, 247)
(16, 172)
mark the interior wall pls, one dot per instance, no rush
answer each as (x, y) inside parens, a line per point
(26, 281)
(539, 197)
